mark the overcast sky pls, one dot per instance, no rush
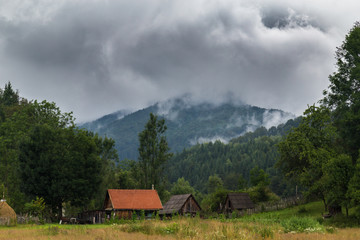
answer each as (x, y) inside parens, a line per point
(94, 57)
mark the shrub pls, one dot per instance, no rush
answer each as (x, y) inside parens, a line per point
(301, 224)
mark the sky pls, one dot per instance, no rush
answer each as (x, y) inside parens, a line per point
(95, 57)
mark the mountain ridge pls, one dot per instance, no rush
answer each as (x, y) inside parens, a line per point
(188, 123)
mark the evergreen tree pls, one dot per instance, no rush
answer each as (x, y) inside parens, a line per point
(153, 153)
(9, 97)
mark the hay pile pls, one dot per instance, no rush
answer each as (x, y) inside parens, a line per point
(7, 214)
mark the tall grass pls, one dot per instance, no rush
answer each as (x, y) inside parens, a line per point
(300, 222)
(181, 228)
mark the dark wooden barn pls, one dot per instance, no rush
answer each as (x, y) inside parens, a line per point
(184, 204)
(122, 203)
(95, 216)
(238, 201)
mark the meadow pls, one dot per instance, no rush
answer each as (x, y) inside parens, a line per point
(301, 222)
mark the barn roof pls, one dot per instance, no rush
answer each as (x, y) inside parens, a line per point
(134, 199)
(240, 200)
(175, 203)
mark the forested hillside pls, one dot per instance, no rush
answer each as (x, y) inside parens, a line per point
(234, 160)
(188, 124)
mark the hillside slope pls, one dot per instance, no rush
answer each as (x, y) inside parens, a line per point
(188, 124)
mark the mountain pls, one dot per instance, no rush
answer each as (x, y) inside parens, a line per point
(188, 124)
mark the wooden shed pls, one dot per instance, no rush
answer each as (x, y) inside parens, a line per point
(181, 204)
(94, 216)
(238, 201)
(7, 214)
(122, 203)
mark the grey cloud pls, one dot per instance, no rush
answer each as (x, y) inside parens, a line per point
(97, 57)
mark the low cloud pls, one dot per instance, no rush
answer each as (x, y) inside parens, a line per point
(201, 140)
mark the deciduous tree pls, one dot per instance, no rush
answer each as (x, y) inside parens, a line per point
(343, 94)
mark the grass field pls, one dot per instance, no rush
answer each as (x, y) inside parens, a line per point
(301, 222)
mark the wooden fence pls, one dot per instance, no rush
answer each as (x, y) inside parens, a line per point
(273, 206)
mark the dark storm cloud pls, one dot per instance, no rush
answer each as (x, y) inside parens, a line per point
(96, 57)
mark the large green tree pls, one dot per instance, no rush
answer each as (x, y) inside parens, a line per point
(338, 172)
(153, 153)
(13, 126)
(343, 94)
(35, 136)
(61, 165)
(305, 150)
(317, 152)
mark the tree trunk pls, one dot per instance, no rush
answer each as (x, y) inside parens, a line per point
(59, 211)
(325, 205)
(334, 209)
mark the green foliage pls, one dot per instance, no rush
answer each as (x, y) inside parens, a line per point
(127, 174)
(9, 97)
(242, 183)
(321, 153)
(231, 162)
(108, 172)
(261, 193)
(259, 177)
(301, 224)
(354, 187)
(60, 165)
(181, 186)
(40, 148)
(214, 183)
(142, 214)
(343, 94)
(153, 153)
(36, 208)
(215, 201)
(337, 174)
(305, 150)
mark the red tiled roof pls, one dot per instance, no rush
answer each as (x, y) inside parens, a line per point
(135, 199)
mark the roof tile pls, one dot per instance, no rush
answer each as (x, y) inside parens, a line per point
(135, 199)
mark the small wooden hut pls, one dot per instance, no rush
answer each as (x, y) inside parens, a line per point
(7, 214)
(122, 203)
(184, 204)
(238, 201)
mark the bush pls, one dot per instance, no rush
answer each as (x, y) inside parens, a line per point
(301, 224)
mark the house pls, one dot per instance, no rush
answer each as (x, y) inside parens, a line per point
(184, 204)
(122, 203)
(7, 214)
(238, 201)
